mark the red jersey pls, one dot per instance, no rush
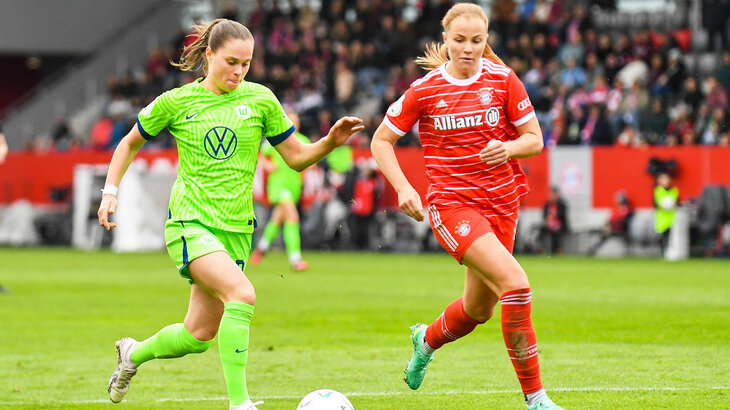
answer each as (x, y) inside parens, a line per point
(457, 118)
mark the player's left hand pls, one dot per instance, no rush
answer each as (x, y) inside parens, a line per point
(496, 152)
(343, 129)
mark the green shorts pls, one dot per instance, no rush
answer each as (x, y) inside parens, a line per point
(188, 240)
(279, 195)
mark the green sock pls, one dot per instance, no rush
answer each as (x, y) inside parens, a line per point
(233, 348)
(292, 240)
(270, 233)
(171, 341)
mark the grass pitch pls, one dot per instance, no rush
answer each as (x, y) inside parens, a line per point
(612, 333)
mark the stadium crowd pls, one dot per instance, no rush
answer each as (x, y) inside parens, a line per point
(590, 85)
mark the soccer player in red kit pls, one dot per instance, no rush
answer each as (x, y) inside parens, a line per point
(474, 120)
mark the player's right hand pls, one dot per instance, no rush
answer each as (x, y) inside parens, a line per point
(106, 208)
(410, 203)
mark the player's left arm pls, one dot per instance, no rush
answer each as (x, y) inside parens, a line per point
(520, 112)
(299, 155)
(529, 143)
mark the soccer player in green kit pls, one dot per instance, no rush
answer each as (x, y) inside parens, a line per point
(218, 122)
(284, 188)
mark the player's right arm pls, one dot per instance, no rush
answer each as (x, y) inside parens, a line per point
(399, 118)
(409, 201)
(123, 156)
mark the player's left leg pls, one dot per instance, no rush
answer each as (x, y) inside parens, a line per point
(222, 278)
(489, 258)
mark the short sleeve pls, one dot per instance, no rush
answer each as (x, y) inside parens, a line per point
(404, 113)
(277, 126)
(156, 116)
(518, 107)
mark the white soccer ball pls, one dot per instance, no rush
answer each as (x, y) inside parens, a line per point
(325, 399)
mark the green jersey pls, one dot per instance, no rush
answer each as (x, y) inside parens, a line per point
(666, 211)
(283, 176)
(218, 138)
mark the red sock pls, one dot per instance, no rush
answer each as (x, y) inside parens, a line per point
(519, 337)
(451, 325)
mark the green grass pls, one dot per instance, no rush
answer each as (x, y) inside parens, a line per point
(612, 333)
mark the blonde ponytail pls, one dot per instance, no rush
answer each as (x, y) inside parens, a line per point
(436, 53)
(435, 56)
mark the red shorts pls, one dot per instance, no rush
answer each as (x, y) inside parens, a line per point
(457, 227)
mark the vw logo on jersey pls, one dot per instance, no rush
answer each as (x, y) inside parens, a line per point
(220, 143)
(491, 117)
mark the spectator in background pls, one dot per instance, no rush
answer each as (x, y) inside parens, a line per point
(555, 219)
(716, 94)
(715, 16)
(101, 133)
(656, 122)
(595, 128)
(691, 95)
(363, 204)
(723, 71)
(618, 223)
(666, 199)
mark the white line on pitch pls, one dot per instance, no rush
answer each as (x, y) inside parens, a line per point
(398, 393)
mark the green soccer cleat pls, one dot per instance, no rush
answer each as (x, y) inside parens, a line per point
(544, 403)
(416, 369)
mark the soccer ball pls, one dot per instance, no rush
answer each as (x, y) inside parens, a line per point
(325, 399)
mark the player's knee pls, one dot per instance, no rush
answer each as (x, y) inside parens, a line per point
(514, 281)
(242, 293)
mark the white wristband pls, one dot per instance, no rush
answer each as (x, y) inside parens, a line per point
(109, 189)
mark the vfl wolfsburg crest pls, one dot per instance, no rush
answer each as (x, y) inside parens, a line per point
(220, 142)
(243, 111)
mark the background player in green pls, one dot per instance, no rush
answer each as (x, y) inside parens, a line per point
(283, 188)
(218, 122)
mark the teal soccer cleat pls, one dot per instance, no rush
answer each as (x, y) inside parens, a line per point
(544, 403)
(416, 369)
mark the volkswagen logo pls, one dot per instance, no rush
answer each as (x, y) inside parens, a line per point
(220, 143)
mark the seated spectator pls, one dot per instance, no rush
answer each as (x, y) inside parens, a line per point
(572, 75)
(101, 133)
(555, 219)
(716, 94)
(618, 223)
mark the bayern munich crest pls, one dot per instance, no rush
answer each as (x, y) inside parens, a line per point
(463, 228)
(485, 95)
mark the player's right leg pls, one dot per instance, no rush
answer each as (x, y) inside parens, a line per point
(185, 241)
(478, 300)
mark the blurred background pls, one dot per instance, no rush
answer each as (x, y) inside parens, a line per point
(632, 97)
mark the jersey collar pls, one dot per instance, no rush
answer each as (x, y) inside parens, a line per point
(459, 81)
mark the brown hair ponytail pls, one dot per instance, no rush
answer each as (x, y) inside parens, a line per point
(212, 34)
